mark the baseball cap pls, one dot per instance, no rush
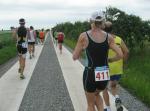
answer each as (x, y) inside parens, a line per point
(21, 21)
(97, 16)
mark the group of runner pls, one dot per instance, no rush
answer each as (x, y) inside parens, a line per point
(105, 53)
(26, 39)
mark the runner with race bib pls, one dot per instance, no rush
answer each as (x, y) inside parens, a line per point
(102, 73)
(21, 36)
(96, 44)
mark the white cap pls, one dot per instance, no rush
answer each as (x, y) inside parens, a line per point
(97, 14)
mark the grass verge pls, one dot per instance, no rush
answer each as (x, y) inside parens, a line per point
(7, 47)
(137, 75)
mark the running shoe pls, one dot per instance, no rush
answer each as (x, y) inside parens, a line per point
(106, 109)
(118, 104)
(22, 76)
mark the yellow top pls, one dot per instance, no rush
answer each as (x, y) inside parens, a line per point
(116, 67)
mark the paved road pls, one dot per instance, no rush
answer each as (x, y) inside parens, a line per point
(47, 90)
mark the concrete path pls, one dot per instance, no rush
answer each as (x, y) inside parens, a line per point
(12, 88)
(53, 83)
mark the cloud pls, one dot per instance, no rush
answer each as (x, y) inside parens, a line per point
(49, 12)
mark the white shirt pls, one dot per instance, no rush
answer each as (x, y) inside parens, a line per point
(32, 38)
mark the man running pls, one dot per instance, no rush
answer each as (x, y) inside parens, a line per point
(37, 37)
(21, 36)
(42, 36)
(31, 41)
(55, 37)
(96, 44)
(116, 69)
(60, 37)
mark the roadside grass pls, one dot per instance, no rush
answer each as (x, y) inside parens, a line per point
(136, 78)
(7, 47)
(7, 53)
(137, 75)
(70, 42)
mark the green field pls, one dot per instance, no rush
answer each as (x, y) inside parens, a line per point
(137, 74)
(7, 47)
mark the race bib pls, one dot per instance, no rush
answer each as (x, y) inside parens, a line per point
(24, 45)
(102, 73)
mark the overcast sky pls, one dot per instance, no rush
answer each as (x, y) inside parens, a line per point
(47, 13)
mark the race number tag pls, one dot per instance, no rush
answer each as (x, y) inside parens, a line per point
(24, 45)
(102, 73)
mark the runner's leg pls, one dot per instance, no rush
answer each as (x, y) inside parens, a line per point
(99, 101)
(106, 99)
(114, 87)
(90, 101)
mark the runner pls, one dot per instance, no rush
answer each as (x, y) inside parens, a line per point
(96, 43)
(42, 36)
(21, 36)
(31, 41)
(55, 36)
(116, 69)
(60, 37)
(37, 37)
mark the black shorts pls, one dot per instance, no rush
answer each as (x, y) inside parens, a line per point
(60, 41)
(21, 50)
(31, 43)
(89, 83)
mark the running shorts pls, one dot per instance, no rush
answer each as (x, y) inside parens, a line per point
(60, 41)
(89, 83)
(115, 77)
(31, 43)
(21, 50)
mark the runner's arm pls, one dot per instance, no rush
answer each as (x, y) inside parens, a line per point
(125, 50)
(14, 34)
(116, 49)
(79, 47)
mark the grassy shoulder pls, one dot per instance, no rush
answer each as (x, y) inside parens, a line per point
(7, 53)
(137, 73)
(70, 43)
(7, 47)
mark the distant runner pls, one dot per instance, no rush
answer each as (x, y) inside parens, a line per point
(55, 37)
(21, 36)
(60, 37)
(42, 36)
(96, 44)
(31, 41)
(116, 69)
(37, 37)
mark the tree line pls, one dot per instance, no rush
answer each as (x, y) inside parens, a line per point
(133, 30)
